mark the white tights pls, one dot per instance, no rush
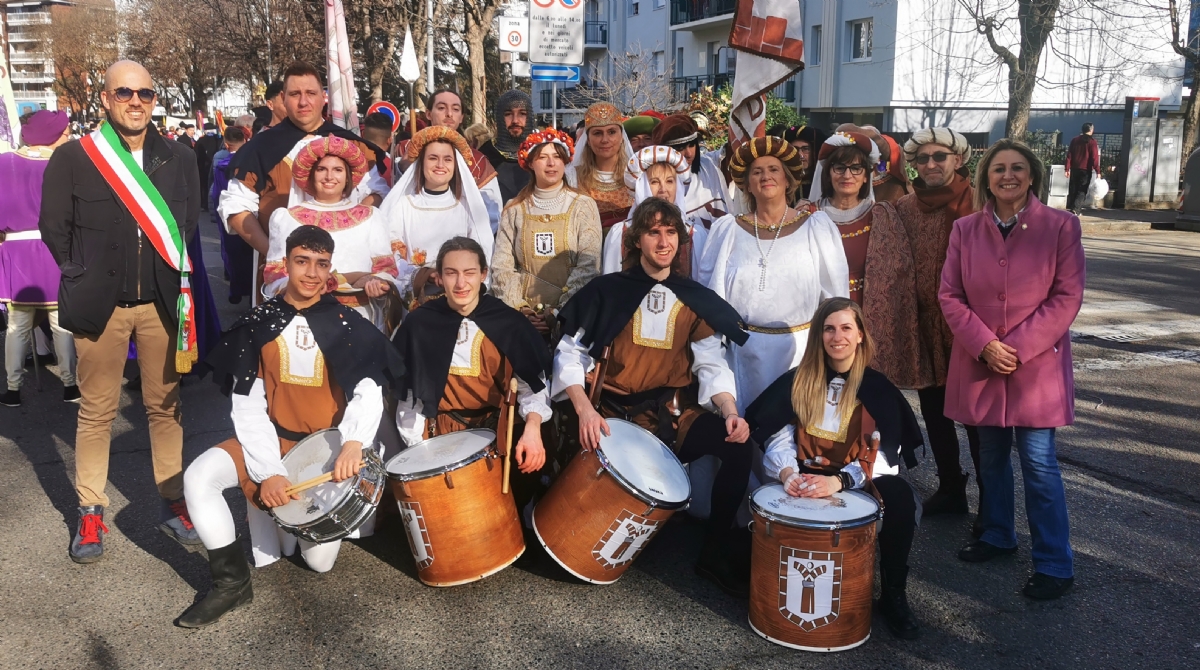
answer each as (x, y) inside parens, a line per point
(203, 485)
(17, 341)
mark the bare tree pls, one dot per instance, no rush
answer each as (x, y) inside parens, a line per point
(1035, 21)
(637, 81)
(478, 17)
(1186, 46)
(82, 42)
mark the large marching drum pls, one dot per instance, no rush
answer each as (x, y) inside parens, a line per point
(460, 527)
(812, 568)
(605, 506)
(332, 510)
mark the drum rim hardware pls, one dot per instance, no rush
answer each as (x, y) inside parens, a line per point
(793, 522)
(373, 473)
(449, 467)
(672, 506)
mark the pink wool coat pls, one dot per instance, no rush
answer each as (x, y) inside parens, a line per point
(1024, 291)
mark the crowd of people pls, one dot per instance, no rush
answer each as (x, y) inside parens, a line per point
(763, 303)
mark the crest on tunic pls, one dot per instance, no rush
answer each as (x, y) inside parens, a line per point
(656, 302)
(417, 533)
(624, 540)
(304, 338)
(810, 587)
(543, 243)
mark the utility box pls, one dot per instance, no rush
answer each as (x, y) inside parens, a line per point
(1149, 162)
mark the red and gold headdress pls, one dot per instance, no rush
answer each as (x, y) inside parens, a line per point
(542, 137)
(602, 114)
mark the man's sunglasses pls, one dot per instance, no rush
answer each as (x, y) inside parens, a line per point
(124, 94)
(939, 157)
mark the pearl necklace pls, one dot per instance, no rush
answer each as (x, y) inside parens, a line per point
(551, 205)
(763, 257)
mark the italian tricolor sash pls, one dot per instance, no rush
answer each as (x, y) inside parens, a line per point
(133, 187)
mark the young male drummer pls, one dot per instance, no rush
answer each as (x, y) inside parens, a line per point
(297, 364)
(665, 334)
(469, 345)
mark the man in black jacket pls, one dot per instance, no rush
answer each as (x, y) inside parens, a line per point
(116, 286)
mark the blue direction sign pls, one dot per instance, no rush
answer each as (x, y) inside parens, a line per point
(566, 73)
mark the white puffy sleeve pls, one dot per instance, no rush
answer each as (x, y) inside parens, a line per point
(256, 433)
(374, 182)
(699, 240)
(494, 202)
(610, 258)
(711, 370)
(235, 199)
(712, 270)
(529, 402)
(571, 365)
(781, 453)
(360, 421)
(410, 421)
(833, 272)
(281, 225)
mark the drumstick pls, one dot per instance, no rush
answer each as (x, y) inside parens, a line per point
(309, 483)
(512, 406)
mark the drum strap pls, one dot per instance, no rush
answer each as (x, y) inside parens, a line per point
(288, 434)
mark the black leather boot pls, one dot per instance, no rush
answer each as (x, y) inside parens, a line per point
(230, 590)
(893, 604)
(950, 498)
(720, 563)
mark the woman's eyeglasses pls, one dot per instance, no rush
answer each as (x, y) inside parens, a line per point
(124, 94)
(841, 170)
(938, 157)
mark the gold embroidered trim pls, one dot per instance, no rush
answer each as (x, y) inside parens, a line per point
(865, 229)
(476, 358)
(649, 341)
(776, 331)
(840, 436)
(858, 284)
(285, 369)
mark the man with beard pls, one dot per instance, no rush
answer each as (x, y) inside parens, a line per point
(514, 121)
(445, 109)
(942, 193)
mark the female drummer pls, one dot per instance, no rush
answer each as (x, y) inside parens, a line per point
(833, 424)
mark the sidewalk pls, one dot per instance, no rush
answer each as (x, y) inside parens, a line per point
(1115, 220)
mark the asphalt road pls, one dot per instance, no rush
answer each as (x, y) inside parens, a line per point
(1130, 464)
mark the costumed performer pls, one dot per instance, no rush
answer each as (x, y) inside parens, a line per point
(598, 167)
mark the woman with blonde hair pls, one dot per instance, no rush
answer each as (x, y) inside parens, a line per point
(598, 168)
(834, 423)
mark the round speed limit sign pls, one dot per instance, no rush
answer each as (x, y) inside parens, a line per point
(514, 38)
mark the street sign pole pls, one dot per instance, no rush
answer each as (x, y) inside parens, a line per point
(554, 105)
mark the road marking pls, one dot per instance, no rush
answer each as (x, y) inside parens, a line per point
(1132, 332)
(1106, 307)
(1123, 360)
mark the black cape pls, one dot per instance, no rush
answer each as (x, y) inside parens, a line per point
(509, 174)
(353, 347)
(265, 150)
(899, 433)
(428, 335)
(605, 304)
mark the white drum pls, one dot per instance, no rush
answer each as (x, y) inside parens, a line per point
(332, 510)
(444, 453)
(644, 466)
(844, 509)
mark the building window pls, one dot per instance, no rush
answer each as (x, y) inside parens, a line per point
(660, 63)
(679, 62)
(859, 34)
(659, 4)
(814, 47)
(633, 7)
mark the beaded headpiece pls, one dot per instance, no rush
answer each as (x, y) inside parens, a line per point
(314, 151)
(432, 133)
(549, 135)
(602, 114)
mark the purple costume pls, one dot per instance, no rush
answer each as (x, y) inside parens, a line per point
(28, 274)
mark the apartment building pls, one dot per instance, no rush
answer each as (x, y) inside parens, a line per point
(31, 68)
(902, 64)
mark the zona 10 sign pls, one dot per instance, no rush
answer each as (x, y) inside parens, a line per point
(556, 31)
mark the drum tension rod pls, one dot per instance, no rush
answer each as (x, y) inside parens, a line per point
(837, 535)
(769, 534)
(404, 489)
(449, 481)
(649, 510)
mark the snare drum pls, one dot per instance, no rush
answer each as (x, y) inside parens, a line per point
(332, 510)
(606, 505)
(460, 527)
(812, 568)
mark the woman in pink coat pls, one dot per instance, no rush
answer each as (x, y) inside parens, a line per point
(1011, 286)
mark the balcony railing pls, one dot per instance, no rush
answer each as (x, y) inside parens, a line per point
(32, 77)
(595, 34)
(28, 18)
(683, 87)
(577, 97)
(686, 11)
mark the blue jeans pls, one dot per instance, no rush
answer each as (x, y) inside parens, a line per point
(1045, 497)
